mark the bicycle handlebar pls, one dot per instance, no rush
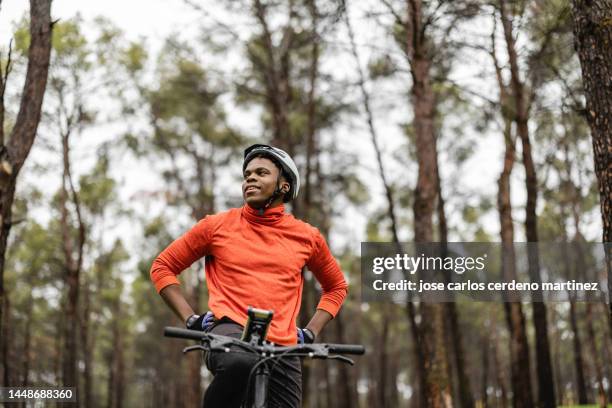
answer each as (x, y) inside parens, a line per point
(357, 349)
(177, 332)
(317, 348)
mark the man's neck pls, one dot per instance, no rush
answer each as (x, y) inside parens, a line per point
(259, 207)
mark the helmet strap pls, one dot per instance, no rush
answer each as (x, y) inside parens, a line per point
(277, 192)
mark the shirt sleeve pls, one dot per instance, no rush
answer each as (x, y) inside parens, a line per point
(181, 253)
(327, 271)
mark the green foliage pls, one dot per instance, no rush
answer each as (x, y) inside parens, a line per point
(21, 36)
(97, 189)
(382, 67)
(134, 57)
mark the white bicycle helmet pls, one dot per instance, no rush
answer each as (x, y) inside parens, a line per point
(281, 158)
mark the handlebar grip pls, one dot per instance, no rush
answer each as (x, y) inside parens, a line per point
(184, 333)
(346, 348)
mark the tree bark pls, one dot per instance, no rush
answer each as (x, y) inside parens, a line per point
(578, 361)
(436, 382)
(14, 152)
(27, 342)
(276, 71)
(347, 381)
(383, 347)
(73, 261)
(116, 365)
(456, 349)
(499, 371)
(592, 339)
(484, 349)
(574, 201)
(593, 42)
(7, 379)
(519, 346)
(87, 348)
(545, 375)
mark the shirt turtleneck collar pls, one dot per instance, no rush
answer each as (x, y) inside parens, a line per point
(269, 216)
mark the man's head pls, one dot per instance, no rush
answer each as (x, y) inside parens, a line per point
(270, 177)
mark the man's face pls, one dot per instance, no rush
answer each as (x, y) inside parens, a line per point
(260, 177)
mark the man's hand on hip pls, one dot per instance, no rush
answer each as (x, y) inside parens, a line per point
(200, 322)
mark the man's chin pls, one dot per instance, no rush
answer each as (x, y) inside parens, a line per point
(254, 203)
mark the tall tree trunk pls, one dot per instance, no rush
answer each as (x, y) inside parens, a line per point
(73, 261)
(194, 362)
(456, 350)
(499, 376)
(546, 387)
(436, 385)
(87, 348)
(574, 201)
(593, 41)
(519, 346)
(383, 360)
(347, 383)
(27, 342)
(7, 380)
(116, 361)
(556, 341)
(14, 152)
(276, 70)
(59, 341)
(592, 339)
(607, 357)
(383, 349)
(411, 313)
(485, 350)
(578, 361)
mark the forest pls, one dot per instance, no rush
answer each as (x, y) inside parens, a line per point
(424, 121)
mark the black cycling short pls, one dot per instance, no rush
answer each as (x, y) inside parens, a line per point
(231, 371)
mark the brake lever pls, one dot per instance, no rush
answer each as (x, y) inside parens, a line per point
(341, 358)
(193, 348)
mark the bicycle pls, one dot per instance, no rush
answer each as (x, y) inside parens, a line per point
(267, 353)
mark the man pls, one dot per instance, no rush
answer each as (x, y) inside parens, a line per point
(254, 256)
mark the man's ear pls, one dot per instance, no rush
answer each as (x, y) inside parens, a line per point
(285, 187)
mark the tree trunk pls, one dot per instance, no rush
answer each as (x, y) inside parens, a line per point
(194, 361)
(7, 380)
(456, 350)
(436, 383)
(578, 361)
(484, 349)
(116, 361)
(593, 42)
(347, 383)
(14, 151)
(499, 376)
(72, 267)
(592, 339)
(576, 338)
(556, 340)
(27, 342)
(87, 349)
(276, 70)
(383, 361)
(519, 346)
(546, 387)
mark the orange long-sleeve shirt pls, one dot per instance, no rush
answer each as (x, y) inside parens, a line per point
(255, 260)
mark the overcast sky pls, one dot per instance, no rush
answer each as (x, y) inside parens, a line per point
(151, 18)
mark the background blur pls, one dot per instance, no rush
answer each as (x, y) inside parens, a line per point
(409, 120)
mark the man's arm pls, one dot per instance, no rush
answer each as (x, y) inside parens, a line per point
(174, 298)
(318, 321)
(178, 256)
(327, 272)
